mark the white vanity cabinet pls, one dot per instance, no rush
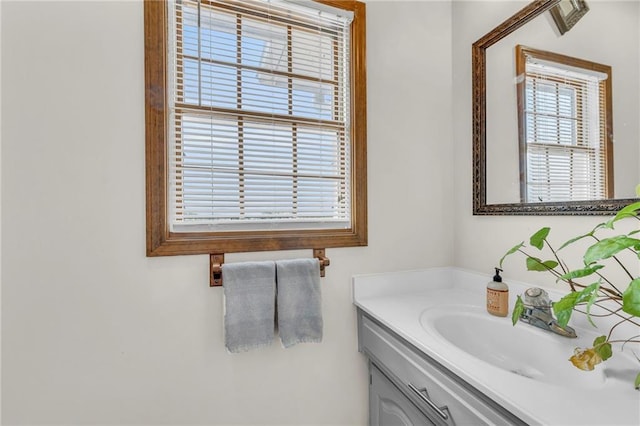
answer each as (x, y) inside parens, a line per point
(409, 388)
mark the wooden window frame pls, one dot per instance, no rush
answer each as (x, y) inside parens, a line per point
(522, 52)
(160, 241)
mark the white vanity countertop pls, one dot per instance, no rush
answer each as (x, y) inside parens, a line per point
(398, 299)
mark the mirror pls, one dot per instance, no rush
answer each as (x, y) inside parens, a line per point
(607, 34)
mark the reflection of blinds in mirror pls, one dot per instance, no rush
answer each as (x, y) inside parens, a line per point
(565, 133)
(260, 116)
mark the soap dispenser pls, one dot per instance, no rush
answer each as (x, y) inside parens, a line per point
(497, 296)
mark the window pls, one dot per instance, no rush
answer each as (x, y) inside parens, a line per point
(256, 121)
(564, 108)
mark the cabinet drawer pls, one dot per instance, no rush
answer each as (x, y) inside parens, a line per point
(437, 392)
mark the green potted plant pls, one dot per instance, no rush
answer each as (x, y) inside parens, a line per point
(589, 285)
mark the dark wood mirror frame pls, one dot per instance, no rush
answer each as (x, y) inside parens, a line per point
(479, 82)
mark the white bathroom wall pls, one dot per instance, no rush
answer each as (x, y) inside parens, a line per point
(482, 240)
(93, 332)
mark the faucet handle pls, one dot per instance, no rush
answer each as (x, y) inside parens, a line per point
(537, 297)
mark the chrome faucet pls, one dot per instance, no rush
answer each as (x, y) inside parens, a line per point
(537, 312)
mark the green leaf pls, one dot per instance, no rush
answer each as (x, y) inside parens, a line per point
(537, 239)
(602, 347)
(579, 273)
(511, 251)
(637, 381)
(563, 316)
(563, 308)
(631, 298)
(518, 309)
(573, 240)
(590, 302)
(535, 264)
(628, 211)
(588, 234)
(608, 247)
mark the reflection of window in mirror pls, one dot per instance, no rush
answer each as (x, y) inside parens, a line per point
(565, 127)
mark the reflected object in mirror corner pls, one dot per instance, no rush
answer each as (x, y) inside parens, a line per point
(567, 13)
(496, 166)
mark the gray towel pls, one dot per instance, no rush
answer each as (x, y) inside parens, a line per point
(249, 297)
(299, 301)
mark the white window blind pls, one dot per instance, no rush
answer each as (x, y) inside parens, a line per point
(260, 116)
(565, 132)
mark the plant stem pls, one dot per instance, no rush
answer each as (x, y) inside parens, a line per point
(615, 290)
(630, 340)
(625, 270)
(564, 269)
(618, 341)
(616, 313)
(613, 328)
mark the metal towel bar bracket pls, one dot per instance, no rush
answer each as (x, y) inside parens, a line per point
(216, 260)
(324, 260)
(215, 269)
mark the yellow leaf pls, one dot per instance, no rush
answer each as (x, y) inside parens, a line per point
(585, 359)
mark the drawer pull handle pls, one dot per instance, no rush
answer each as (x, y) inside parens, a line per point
(422, 394)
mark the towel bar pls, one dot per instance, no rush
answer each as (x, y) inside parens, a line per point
(217, 259)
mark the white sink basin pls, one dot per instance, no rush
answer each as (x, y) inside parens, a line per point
(522, 349)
